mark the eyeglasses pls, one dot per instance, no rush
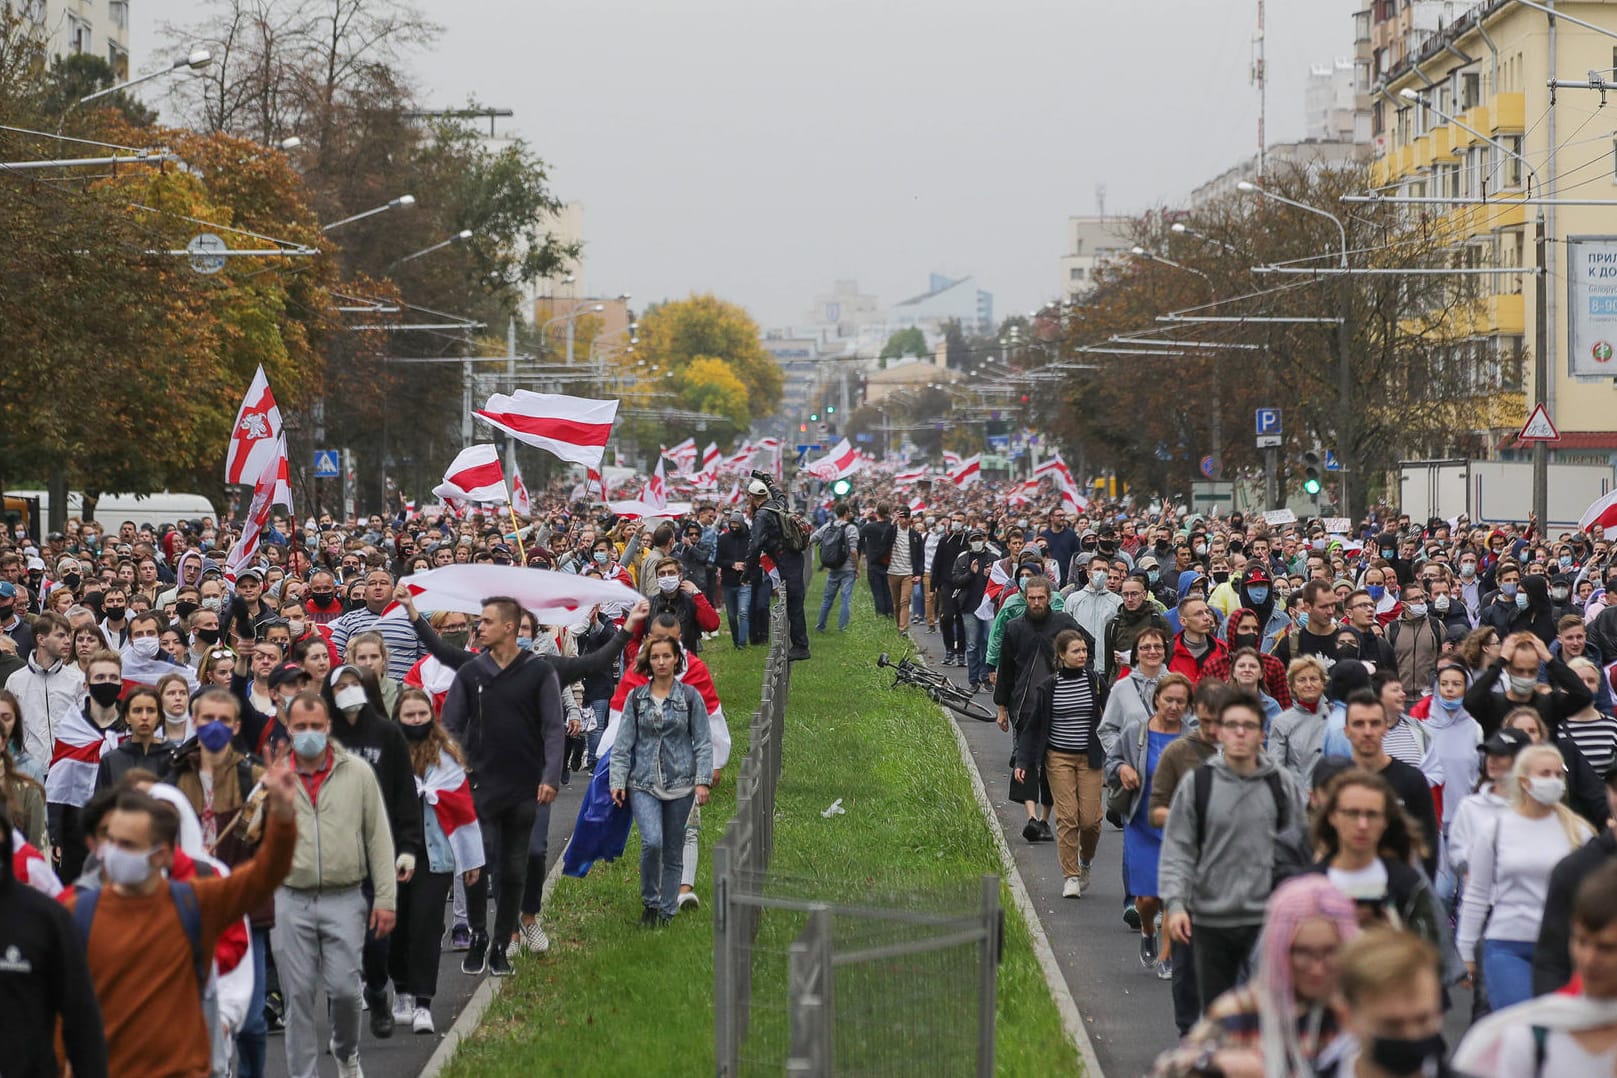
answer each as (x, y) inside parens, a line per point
(1149, 647)
(1366, 815)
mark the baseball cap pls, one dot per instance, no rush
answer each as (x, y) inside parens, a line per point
(1256, 574)
(1508, 742)
(286, 673)
(256, 574)
(8, 590)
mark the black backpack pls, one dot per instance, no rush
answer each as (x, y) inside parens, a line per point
(794, 530)
(1203, 790)
(834, 546)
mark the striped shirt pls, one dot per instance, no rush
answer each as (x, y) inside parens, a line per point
(403, 648)
(1072, 713)
(1406, 742)
(1596, 740)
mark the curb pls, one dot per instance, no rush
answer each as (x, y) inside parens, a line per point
(471, 1016)
(1066, 1006)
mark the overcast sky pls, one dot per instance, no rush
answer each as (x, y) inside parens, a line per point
(761, 149)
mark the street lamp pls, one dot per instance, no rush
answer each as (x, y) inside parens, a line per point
(460, 237)
(1141, 252)
(196, 60)
(1541, 320)
(595, 308)
(403, 202)
(1348, 420)
(1183, 229)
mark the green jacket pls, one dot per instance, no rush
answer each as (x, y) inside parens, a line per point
(1013, 608)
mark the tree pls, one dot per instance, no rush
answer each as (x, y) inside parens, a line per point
(674, 335)
(909, 341)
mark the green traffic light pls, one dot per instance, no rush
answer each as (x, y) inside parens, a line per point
(841, 488)
(1311, 486)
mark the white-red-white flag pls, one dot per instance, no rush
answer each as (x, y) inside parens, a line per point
(683, 456)
(967, 472)
(905, 478)
(917, 505)
(256, 435)
(843, 460)
(447, 789)
(574, 429)
(269, 488)
(951, 460)
(554, 598)
(76, 759)
(1603, 512)
(30, 866)
(656, 491)
(520, 501)
(474, 476)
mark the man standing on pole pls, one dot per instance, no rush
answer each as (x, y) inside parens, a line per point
(770, 519)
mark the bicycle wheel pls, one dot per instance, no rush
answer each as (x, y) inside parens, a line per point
(961, 702)
(916, 674)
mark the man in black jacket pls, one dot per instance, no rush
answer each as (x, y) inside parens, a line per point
(1519, 660)
(769, 521)
(43, 977)
(505, 709)
(1027, 653)
(876, 544)
(1552, 957)
(944, 560)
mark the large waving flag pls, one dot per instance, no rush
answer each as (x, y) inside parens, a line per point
(475, 475)
(1603, 512)
(905, 478)
(257, 436)
(683, 456)
(656, 491)
(521, 502)
(76, 758)
(967, 472)
(843, 460)
(269, 488)
(951, 460)
(447, 789)
(553, 598)
(575, 429)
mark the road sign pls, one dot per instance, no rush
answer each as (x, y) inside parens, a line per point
(203, 250)
(1209, 466)
(1331, 463)
(325, 464)
(1268, 422)
(1539, 428)
(1269, 441)
(816, 447)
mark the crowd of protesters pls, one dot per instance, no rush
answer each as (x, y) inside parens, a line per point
(1352, 771)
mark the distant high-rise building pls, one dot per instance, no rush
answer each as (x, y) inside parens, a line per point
(68, 27)
(1328, 100)
(945, 300)
(1091, 240)
(843, 312)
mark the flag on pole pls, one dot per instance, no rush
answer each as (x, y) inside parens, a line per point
(474, 476)
(574, 429)
(520, 501)
(709, 472)
(269, 488)
(683, 456)
(967, 472)
(447, 789)
(951, 461)
(656, 492)
(843, 460)
(904, 479)
(256, 434)
(1603, 512)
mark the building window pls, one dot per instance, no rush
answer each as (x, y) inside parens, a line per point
(118, 12)
(1470, 89)
(118, 60)
(1075, 274)
(1507, 362)
(78, 34)
(1510, 167)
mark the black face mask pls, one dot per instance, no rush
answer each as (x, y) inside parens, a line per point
(114, 613)
(417, 731)
(1398, 1056)
(1220, 575)
(185, 609)
(73, 580)
(1347, 650)
(1246, 640)
(106, 693)
(5, 612)
(322, 598)
(208, 636)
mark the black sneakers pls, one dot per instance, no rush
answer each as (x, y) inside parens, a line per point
(381, 1014)
(498, 964)
(475, 961)
(1032, 831)
(649, 917)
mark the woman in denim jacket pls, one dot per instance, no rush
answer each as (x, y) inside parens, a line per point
(661, 761)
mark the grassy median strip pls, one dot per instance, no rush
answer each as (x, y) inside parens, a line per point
(610, 998)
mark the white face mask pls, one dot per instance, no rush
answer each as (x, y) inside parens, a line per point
(666, 584)
(1546, 791)
(349, 698)
(146, 647)
(296, 629)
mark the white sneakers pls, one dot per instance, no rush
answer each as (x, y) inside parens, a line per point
(534, 940)
(403, 1007)
(688, 898)
(1073, 888)
(350, 1068)
(421, 1021)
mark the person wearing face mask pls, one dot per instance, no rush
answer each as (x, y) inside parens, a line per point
(324, 605)
(1256, 592)
(82, 739)
(1510, 870)
(12, 623)
(1389, 1004)
(941, 589)
(362, 728)
(681, 598)
(1520, 659)
(1087, 600)
(1415, 637)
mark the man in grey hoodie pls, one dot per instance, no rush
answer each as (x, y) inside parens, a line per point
(1216, 872)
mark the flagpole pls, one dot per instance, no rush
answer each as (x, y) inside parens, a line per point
(516, 531)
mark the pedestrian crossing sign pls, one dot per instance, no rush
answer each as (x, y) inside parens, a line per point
(325, 464)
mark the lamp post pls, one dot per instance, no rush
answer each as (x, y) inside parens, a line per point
(1348, 421)
(460, 237)
(195, 60)
(1217, 431)
(594, 308)
(403, 202)
(1541, 319)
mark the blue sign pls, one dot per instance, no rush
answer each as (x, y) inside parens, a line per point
(1209, 466)
(999, 442)
(864, 437)
(1269, 421)
(1331, 463)
(802, 449)
(325, 464)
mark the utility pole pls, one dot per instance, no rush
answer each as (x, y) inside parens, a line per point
(1541, 370)
(1260, 78)
(511, 382)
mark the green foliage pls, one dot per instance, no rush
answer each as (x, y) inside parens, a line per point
(905, 342)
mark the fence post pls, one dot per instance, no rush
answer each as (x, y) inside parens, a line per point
(992, 919)
(724, 1038)
(810, 981)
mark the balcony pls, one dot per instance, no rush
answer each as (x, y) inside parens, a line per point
(1509, 112)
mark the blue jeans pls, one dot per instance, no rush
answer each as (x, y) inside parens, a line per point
(254, 1030)
(836, 580)
(976, 647)
(737, 600)
(602, 709)
(662, 847)
(1507, 967)
(918, 602)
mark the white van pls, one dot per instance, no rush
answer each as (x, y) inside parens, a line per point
(112, 510)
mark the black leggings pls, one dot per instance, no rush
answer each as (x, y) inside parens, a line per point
(418, 937)
(505, 844)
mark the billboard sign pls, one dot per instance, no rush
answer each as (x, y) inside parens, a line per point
(1592, 306)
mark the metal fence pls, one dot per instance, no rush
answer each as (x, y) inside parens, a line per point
(825, 976)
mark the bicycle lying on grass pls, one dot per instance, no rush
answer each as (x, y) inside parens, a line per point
(942, 691)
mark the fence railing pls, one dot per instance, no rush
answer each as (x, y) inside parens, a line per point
(826, 976)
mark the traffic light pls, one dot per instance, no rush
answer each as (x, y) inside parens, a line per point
(841, 487)
(830, 409)
(1311, 484)
(815, 417)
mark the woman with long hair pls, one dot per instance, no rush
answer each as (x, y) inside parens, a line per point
(1061, 737)
(1280, 1023)
(1132, 763)
(21, 790)
(87, 640)
(174, 692)
(11, 736)
(1510, 870)
(454, 844)
(661, 762)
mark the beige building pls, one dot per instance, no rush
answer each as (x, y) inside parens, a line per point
(1091, 240)
(914, 375)
(1487, 65)
(68, 27)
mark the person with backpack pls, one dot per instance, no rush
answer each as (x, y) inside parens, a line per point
(838, 541)
(150, 940)
(781, 535)
(1220, 836)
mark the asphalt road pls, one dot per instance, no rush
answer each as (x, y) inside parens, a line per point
(405, 1053)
